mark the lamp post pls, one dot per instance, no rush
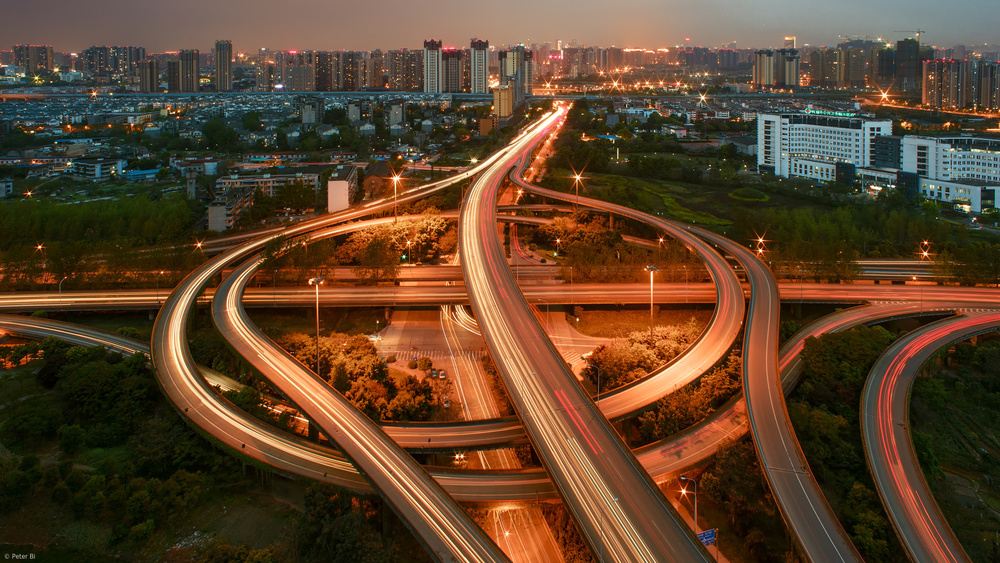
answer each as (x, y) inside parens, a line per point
(395, 196)
(685, 283)
(921, 290)
(157, 287)
(684, 491)
(652, 270)
(577, 180)
(598, 400)
(409, 259)
(60, 288)
(317, 281)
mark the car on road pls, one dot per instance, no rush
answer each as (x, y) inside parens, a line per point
(442, 374)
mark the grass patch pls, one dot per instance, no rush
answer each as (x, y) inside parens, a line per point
(345, 320)
(619, 323)
(112, 322)
(749, 194)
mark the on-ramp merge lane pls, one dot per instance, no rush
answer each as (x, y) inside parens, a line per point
(798, 495)
(444, 526)
(619, 509)
(885, 426)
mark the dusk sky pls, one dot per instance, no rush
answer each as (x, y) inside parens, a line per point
(73, 25)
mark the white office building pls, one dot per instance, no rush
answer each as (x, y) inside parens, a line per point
(813, 143)
(961, 171)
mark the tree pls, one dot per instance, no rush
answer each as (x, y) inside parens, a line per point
(219, 136)
(377, 261)
(251, 121)
(71, 438)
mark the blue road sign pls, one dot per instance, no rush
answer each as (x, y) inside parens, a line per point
(708, 536)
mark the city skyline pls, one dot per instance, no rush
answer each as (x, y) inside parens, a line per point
(712, 24)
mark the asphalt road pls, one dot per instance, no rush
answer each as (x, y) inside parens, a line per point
(620, 511)
(802, 503)
(805, 509)
(885, 427)
(445, 528)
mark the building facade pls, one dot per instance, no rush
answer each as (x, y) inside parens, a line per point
(224, 66)
(34, 58)
(479, 59)
(433, 67)
(188, 70)
(811, 144)
(947, 84)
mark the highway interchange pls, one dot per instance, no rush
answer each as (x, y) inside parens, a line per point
(622, 513)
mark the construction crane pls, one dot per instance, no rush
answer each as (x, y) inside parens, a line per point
(917, 31)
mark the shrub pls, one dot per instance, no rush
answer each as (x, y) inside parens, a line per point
(71, 438)
(412, 364)
(61, 493)
(424, 363)
(391, 359)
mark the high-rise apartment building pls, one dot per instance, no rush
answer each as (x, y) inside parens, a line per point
(908, 66)
(947, 84)
(34, 58)
(224, 65)
(375, 70)
(826, 69)
(789, 42)
(988, 85)
(352, 71)
(882, 67)
(405, 70)
(188, 69)
(149, 76)
(173, 76)
(433, 67)
(113, 62)
(267, 77)
(453, 70)
(327, 67)
(479, 58)
(779, 69)
(763, 69)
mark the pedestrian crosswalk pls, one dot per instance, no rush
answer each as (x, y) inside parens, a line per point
(434, 355)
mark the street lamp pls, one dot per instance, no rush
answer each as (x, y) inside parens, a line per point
(409, 259)
(921, 289)
(598, 368)
(157, 287)
(577, 180)
(685, 283)
(395, 195)
(558, 246)
(60, 288)
(317, 281)
(694, 493)
(652, 270)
